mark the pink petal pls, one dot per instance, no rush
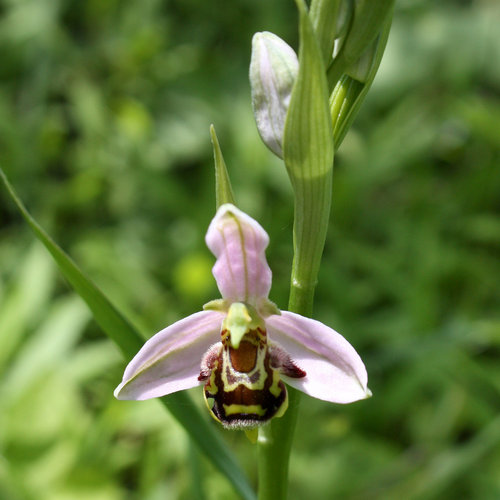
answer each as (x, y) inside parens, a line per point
(170, 360)
(334, 369)
(239, 243)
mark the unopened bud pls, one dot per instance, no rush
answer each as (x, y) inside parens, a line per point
(273, 70)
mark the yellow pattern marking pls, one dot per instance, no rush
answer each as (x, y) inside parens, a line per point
(275, 389)
(284, 406)
(234, 409)
(245, 378)
(212, 388)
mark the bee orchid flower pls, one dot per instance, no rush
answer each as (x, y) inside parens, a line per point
(242, 348)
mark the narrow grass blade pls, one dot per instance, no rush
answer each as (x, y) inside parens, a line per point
(117, 327)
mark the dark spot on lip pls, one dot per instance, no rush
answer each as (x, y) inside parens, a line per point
(244, 358)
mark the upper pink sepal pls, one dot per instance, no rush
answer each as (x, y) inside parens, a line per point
(170, 360)
(334, 370)
(239, 243)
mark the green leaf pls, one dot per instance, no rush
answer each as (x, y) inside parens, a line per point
(28, 298)
(324, 14)
(223, 189)
(118, 328)
(369, 19)
(349, 93)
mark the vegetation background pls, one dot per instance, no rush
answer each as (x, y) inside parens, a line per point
(105, 107)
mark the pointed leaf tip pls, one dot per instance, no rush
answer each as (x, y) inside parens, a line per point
(223, 190)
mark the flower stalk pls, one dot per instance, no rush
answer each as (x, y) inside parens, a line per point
(308, 156)
(341, 46)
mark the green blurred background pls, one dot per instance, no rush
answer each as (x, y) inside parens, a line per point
(105, 107)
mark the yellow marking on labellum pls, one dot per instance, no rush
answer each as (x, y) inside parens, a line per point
(211, 386)
(284, 406)
(244, 389)
(235, 409)
(275, 388)
(210, 403)
(255, 379)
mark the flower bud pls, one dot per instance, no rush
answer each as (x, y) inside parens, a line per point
(273, 70)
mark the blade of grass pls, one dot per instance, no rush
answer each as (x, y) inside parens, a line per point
(128, 339)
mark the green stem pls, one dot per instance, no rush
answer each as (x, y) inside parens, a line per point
(275, 443)
(275, 440)
(301, 299)
(312, 211)
(308, 155)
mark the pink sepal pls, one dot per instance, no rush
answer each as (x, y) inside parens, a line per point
(170, 360)
(334, 369)
(239, 243)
